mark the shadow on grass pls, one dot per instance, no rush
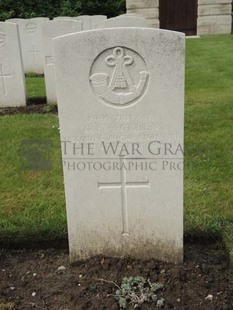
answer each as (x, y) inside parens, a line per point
(36, 100)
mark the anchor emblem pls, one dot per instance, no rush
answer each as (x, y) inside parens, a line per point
(118, 87)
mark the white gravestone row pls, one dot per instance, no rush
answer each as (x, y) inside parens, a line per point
(31, 43)
(101, 21)
(122, 141)
(57, 27)
(12, 80)
(38, 57)
(14, 20)
(64, 17)
(124, 21)
(88, 21)
(51, 30)
(91, 22)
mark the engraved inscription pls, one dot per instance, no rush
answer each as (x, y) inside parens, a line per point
(2, 79)
(31, 27)
(123, 185)
(34, 52)
(127, 127)
(2, 37)
(119, 77)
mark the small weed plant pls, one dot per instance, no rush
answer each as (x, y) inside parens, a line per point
(134, 291)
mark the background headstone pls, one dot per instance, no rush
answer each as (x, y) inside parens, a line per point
(31, 43)
(96, 21)
(51, 30)
(124, 21)
(91, 21)
(129, 15)
(13, 20)
(64, 17)
(12, 81)
(124, 198)
(86, 21)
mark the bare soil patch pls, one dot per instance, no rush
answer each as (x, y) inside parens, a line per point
(36, 106)
(30, 279)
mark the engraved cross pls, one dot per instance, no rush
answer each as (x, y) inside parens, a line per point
(2, 77)
(123, 185)
(34, 51)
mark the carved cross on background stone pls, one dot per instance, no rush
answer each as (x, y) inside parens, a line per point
(2, 77)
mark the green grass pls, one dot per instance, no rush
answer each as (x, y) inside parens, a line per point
(32, 202)
(35, 88)
(208, 137)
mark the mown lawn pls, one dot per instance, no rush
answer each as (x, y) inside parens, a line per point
(35, 89)
(208, 137)
(32, 203)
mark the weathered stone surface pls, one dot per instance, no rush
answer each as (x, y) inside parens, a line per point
(147, 13)
(153, 23)
(113, 91)
(211, 30)
(12, 81)
(51, 30)
(217, 24)
(218, 9)
(213, 20)
(141, 4)
(214, 29)
(202, 2)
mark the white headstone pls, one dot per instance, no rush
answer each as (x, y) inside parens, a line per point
(121, 111)
(51, 30)
(64, 17)
(91, 21)
(12, 81)
(13, 20)
(124, 21)
(86, 21)
(129, 15)
(96, 21)
(31, 43)
(45, 19)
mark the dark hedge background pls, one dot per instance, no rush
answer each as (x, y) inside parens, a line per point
(52, 8)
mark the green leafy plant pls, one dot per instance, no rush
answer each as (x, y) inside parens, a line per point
(137, 290)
